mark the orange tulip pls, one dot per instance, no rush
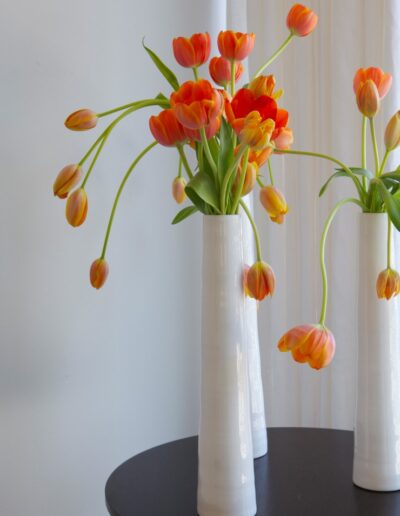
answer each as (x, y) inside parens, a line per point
(282, 138)
(192, 52)
(265, 85)
(392, 132)
(255, 132)
(235, 46)
(368, 100)
(211, 129)
(260, 157)
(66, 179)
(166, 129)
(178, 189)
(81, 120)
(388, 284)
(260, 281)
(98, 273)
(250, 178)
(196, 104)
(311, 343)
(76, 207)
(220, 70)
(382, 80)
(274, 202)
(301, 20)
(244, 280)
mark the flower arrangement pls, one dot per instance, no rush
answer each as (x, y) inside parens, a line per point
(232, 133)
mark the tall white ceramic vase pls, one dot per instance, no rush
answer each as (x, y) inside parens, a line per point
(257, 409)
(226, 474)
(377, 422)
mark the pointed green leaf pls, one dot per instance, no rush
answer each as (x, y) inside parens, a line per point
(225, 156)
(167, 73)
(184, 214)
(202, 187)
(359, 172)
(392, 203)
(325, 185)
(161, 96)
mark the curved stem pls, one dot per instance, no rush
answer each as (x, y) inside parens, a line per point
(327, 225)
(259, 181)
(121, 187)
(92, 164)
(274, 55)
(375, 145)
(271, 175)
(239, 188)
(227, 177)
(389, 243)
(364, 149)
(385, 158)
(255, 230)
(208, 152)
(184, 161)
(115, 110)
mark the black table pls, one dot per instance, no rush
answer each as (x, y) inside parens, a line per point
(306, 472)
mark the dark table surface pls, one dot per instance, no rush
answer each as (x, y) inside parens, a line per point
(307, 472)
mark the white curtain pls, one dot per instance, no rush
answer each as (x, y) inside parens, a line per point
(316, 73)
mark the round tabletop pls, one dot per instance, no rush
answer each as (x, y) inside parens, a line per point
(307, 472)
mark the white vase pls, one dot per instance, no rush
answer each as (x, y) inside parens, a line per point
(257, 409)
(377, 422)
(226, 474)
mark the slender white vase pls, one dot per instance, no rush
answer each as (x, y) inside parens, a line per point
(257, 409)
(377, 422)
(226, 474)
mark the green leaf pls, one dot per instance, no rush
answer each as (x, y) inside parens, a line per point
(161, 96)
(202, 188)
(167, 73)
(392, 203)
(395, 176)
(184, 214)
(340, 172)
(225, 156)
(325, 185)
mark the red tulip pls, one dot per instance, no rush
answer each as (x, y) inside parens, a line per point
(220, 70)
(66, 179)
(192, 52)
(211, 130)
(235, 46)
(98, 273)
(166, 129)
(301, 20)
(81, 120)
(76, 207)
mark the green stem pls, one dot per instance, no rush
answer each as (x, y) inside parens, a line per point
(255, 230)
(115, 110)
(274, 55)
(92, 164)
(259, 181)
(227, 177)
(195, 73)
(180, 167)
(364, 149)
(357, 183)
(208, 152)
(389, 244)
(271, 175)
(121, 187)
(375, 145)
(327, 225)
(185, 161)
(385, 158)
(233, 66)
(239, 188)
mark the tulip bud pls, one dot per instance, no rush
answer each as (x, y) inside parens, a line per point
(282, 138)
(81, 120)
(178, 189)
(368, 100)
(98, 273)
(392, 132)
(260, 281)
(274, 202)
(67, 178)
(249, 178)
(301, 20)
(76, 207)
(388, 284)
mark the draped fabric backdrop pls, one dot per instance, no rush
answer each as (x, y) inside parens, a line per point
(87, 378)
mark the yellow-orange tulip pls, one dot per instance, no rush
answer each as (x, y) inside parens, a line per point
(301, 20)
(311, 343)
(368, 100)
(392, 132)
(178, 189)
(260, 281)
(250, 177)
(81, 120)
(98, 273)
(256, 132)
(76, 207)
(388, 284)
(66, 179)
(274, 202)
(265, 85)
(235, 46)
(382, 80)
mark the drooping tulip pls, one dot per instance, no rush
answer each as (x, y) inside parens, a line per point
(192, 52)
(260, 281)
(81, 120)
(178, 189)
(220, 70)
(76, 207)
(301, 20)
(392, 132)
(166, 129)
(66, 179)
(235, 46)
(311, 343)
(388, 284)
(98, 273)
(274, 203)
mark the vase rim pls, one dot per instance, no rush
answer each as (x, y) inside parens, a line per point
(369, 213)
(231, 216)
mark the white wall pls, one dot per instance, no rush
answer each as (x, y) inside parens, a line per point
(89, 378)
